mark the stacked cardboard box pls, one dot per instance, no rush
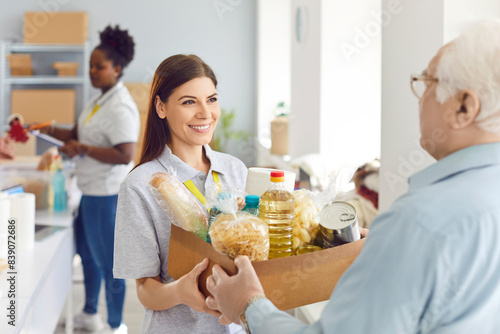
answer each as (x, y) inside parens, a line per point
(41, 105)
(20, 64)
(66, 68)
(55, 27)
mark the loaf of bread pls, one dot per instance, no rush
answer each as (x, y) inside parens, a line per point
(179, 204)
(240, 234)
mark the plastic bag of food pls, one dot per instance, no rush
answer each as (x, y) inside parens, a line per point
(179, 204)
(306, 219)
(240, 234)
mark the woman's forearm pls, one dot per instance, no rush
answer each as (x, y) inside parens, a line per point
(62, 134)
(155, 295)
(120, 154)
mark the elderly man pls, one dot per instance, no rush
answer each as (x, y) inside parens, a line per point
(431, 263)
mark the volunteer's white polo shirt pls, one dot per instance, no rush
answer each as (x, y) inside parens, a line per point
(115, 122)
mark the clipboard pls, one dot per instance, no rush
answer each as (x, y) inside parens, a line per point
(47, 138)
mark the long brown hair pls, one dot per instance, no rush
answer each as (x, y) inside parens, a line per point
(170, 74)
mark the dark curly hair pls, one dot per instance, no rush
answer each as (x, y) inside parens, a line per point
(118, 46)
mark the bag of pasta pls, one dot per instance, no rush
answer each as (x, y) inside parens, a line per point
(240, 234)
(306, 219)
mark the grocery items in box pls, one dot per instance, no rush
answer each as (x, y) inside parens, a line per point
(179, 204)
(222, 200)
(277, 210)
(338, 224)
(258, 180)
(240, 234)
(305, 221)
(252, 205)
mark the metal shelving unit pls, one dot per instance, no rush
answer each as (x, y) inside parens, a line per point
(7, 82)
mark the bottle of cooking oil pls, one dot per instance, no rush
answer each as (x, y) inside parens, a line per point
(276, 209)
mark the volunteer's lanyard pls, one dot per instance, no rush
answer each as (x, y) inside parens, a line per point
(98, 105)
(190, 185)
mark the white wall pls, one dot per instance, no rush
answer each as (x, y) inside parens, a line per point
(304, 121)
(350, 81)
(273, 62)
(221, 32)
(336, 92)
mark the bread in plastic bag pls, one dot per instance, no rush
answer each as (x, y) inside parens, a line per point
(240, 234)
(179, 204)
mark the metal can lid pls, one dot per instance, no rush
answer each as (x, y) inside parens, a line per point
(338, 216)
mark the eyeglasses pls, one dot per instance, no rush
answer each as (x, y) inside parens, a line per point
(418, 83)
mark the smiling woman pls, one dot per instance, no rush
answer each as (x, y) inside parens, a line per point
(182, 116)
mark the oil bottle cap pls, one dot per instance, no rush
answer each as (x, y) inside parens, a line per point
(277, 176)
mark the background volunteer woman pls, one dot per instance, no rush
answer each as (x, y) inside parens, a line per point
(183, 113)
(105, 137)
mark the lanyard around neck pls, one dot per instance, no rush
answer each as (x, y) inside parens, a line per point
(190, 185)
(98, 105)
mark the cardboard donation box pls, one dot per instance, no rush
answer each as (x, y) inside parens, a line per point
(279, 135)
(288, 282)
(20, 64)
(140, 94)
(55, 27)
(66, 68)
(41, 105)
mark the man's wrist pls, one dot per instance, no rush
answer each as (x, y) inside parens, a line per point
(242, 317)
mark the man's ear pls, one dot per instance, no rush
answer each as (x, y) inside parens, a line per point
(468, 108)
(160, 107)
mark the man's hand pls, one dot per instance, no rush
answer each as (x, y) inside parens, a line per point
(230, 294)
(6, 149)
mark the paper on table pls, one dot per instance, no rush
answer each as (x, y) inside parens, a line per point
(48, 138)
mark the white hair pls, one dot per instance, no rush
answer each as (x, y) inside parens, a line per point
(472, 61)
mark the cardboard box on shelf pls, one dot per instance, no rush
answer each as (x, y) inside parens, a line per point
(19, 60)
(279, 135)
(55, 27)
(20, 64)
(140, 94)
(15, 72)
(288, 282)
(66, 68)
(41, 105)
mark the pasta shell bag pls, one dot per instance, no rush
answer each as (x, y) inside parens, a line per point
(179, 204)
(238, 233)
(306, 219)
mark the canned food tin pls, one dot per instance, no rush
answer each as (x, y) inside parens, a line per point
(308, 249)
(338, 224)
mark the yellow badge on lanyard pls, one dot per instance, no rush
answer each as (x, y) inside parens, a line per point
(92, 113)
(190, 185)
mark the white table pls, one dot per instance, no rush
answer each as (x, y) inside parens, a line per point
(44, 277)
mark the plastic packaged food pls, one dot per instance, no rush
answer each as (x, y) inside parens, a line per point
(305, 221)
(179, 204)
(240, 234)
